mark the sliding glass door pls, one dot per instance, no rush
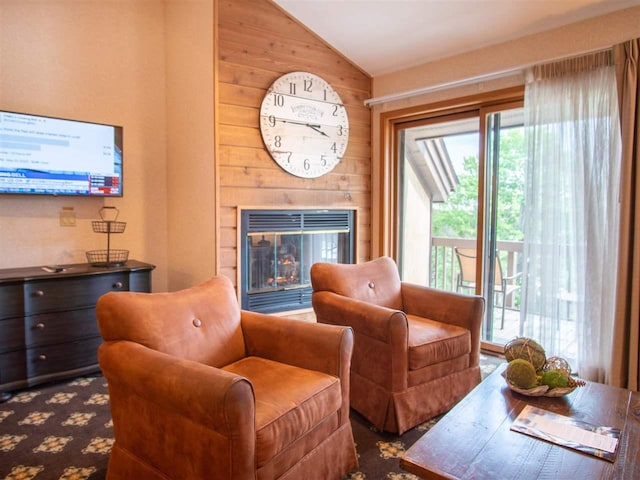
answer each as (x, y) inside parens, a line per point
(438, 197)
(503, 226)
(460, 198)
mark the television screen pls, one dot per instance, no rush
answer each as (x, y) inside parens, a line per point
(54, 156)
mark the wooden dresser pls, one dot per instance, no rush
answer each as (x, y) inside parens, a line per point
(48, 328)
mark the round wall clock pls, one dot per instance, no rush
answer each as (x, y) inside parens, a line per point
(304, 124)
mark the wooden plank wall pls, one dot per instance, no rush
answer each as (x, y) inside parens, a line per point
(256, 43)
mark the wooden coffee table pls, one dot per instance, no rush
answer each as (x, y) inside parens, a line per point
(474, 440)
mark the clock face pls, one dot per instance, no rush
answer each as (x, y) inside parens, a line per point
(304, 124)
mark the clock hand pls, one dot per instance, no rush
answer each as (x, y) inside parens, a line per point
(294, 122)
(317, 129)
(312, 126)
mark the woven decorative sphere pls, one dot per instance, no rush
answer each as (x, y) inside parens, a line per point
(527, 349)
(558, 364)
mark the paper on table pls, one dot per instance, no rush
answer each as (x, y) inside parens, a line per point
(573, 434)
(567, 432)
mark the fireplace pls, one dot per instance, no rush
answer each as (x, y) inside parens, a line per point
(278, 248)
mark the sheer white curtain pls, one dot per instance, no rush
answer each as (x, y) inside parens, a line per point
(571, 219)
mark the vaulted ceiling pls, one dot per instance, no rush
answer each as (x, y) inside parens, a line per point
(384, 36)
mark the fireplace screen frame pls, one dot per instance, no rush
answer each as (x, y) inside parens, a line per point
(277, 248)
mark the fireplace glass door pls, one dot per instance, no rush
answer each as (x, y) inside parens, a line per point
(279, 248)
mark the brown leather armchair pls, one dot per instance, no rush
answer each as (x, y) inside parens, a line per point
(202, 390)
(416, 350)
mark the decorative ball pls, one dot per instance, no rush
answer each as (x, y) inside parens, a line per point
(554, 379)
(558, 364)
(526, 349)
(521, 373)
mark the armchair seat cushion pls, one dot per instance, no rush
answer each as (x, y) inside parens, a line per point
(289, 402)
(431, 342)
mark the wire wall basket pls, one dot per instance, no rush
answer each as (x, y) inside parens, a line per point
(107, 258)
(108, 225)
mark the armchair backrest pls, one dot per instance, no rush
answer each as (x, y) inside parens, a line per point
(201, 323)
(376, 282)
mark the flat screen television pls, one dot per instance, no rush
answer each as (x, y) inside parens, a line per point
(53, 156)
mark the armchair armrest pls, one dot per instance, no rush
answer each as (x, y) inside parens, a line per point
(314, 346)
(152, 393)
(382, 323)
(382, 332)
(447, 307)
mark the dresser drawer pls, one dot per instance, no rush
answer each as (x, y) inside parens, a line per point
(140, 282)
(58, 327)
(11, 301)
(57, 358)
(11, 334)
(69, 293)
(13, 366)
(48, 327)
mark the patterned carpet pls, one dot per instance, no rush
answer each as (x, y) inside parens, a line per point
(60, 431)
(379, 452)
(64, 431)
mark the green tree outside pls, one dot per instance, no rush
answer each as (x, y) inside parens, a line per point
(457, 217)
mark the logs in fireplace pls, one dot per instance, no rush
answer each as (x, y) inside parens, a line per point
(278, 248)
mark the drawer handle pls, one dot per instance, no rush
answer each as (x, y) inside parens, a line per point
(40, 325)
(117, 285)
(38, 293)
(42, 356)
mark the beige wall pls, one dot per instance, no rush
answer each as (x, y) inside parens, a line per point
(417, 229)
(589, 35)
(106, 61)
(506, 59)
(191, 188)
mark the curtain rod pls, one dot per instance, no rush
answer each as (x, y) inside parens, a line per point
(469, 80)
(441, 86)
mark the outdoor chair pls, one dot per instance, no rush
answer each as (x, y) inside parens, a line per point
(466, 279)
